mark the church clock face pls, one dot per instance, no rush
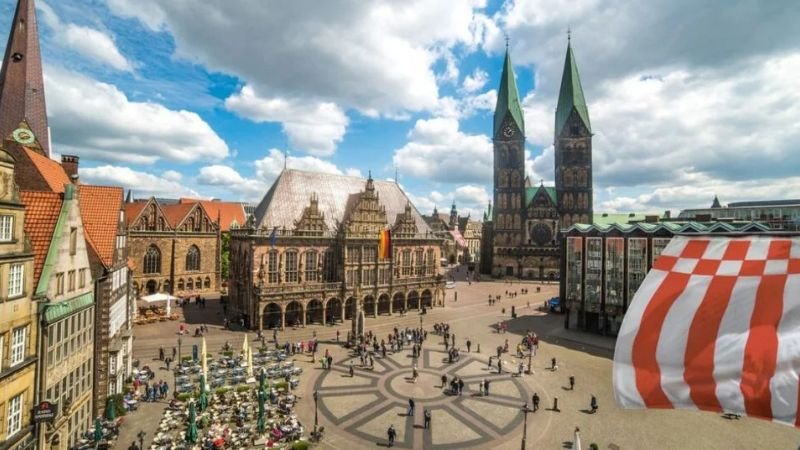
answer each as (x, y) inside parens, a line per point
(508, 130)
(542, 234)
(23, 136)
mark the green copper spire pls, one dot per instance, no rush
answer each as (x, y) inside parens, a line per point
(571, 94)
(508, 98)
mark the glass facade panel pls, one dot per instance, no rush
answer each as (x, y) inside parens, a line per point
(594, 273)
(574, 280)
(637, 265)
(615, 271)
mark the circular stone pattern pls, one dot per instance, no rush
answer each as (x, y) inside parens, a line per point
(363, 406)
(425, 388)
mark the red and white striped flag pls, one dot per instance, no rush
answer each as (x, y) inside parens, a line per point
(715, 326)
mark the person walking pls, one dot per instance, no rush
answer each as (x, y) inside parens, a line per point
(391, 434)
(460, 386)
(572, 382)
(410, 412)
(469, 344)
(499, 367)
(535, 400)
(414, 374)
(444, 380)
(352, 373)
(161, 353)
(593, 404)
(553, 365)
(427, 419)
(520, 367)
(555, 404)
(486, 387)
(490, 363)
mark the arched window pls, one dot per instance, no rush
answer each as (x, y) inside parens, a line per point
(180, 284)
(189, 284)
(193, 259)
(207, 283)
(152, 260)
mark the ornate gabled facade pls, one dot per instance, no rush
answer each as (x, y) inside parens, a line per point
(310, 255)
(520, 238)
(173, 248)
(461, 235)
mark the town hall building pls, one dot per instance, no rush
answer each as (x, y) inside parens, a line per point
(520, 239)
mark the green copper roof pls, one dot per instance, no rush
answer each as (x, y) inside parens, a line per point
(530, 193)
(56, 311)
(508, 98)
(570, 96)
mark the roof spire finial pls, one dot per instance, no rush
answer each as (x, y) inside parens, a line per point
(507, 39)
(569, 35)
(370, 174)
(541, 181)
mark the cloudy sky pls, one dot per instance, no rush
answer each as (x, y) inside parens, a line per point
(687, 99)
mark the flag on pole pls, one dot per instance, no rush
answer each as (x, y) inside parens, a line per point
(385, 245)
(715, 326)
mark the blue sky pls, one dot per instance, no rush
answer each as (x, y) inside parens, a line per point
(203, 98)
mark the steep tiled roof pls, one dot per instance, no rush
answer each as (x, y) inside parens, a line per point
(230, 214)
(176, 213)
(290, 193)
(52, 171)
(132, 211)
(100, 214)
(41, 214)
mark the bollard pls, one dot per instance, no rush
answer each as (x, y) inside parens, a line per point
(479, 348)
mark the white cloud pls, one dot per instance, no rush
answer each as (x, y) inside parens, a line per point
(269, 167)
(353, 172)
(438, 150)
(172, 175)
(227, 177)
(95, 120)
(94, 44)
(475, 81)
(313, 127)
(143, 184)
(377, 57)
(470, 199)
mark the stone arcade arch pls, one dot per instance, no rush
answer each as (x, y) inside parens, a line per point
(272, 316)
(333, 310)
(349, 308)
(427, 299)
(413, 300)
(398, 302)
(294, 314)
(384, 304)
(370, 307)
(314, 311)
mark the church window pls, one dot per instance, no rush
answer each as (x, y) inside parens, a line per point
(576, 218)
(207, 283)
(193, 259)
(582, 178)
(575, 130)
(329, 266)
(272, 267)
(568, 181)
(180, 284)
(291, 267)
(515, 179)
(190, 284)
(567, 221)
(431, 263)
(311, 266)
(516, 221)
(419, 262)
(585, 218)
(152, 260)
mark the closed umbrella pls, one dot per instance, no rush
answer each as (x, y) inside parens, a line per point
(203, 400)
(261, 423)
(111, 410)
(191, 430)
(249, 363)
(204, 358)
(577, 444)
(98, 430)
(244, 346)
(262, 376)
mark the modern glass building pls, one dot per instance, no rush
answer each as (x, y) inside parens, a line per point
(606, 263)
(776, 214)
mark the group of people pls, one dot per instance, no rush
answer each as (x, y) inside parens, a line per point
(152, 392)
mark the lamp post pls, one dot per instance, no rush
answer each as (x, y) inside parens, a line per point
(140, 435)
(180, 341)
(316, 416)
(525, 410)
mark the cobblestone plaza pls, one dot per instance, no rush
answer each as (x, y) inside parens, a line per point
(356, 411)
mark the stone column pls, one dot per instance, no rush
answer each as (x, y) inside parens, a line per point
(305, 311)
(283, 317)
(260, 317)
(324, 313)
(391, 304)
(377, 299)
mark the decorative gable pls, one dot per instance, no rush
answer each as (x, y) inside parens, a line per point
(312, 222)
(405, 226)
(367, 216)
(151, 218)
(196, 220)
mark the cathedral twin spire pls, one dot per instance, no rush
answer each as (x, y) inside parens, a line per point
(508, 99)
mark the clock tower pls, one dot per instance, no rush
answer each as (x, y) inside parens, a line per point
(509, 172)
(573, 148)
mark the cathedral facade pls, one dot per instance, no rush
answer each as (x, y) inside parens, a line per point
(520, 237)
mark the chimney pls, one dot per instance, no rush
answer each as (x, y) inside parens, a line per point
(70, 165)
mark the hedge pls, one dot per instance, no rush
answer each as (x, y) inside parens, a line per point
(300, 445)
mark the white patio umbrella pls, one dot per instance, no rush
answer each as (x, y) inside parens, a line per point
(244, 346)
(250, 363)
(204, 362)
(577, 444)
(159, 297)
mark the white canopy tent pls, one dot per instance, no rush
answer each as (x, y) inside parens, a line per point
(159, 297)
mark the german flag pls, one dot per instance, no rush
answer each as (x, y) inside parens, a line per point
(385, 245)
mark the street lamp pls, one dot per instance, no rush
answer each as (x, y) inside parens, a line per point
(525, 410)
(180, 341)
(316, 416)
(140, 435)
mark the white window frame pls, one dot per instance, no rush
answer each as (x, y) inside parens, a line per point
(14, 413)
(18, 336)
(16, 280)
(6, 228)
